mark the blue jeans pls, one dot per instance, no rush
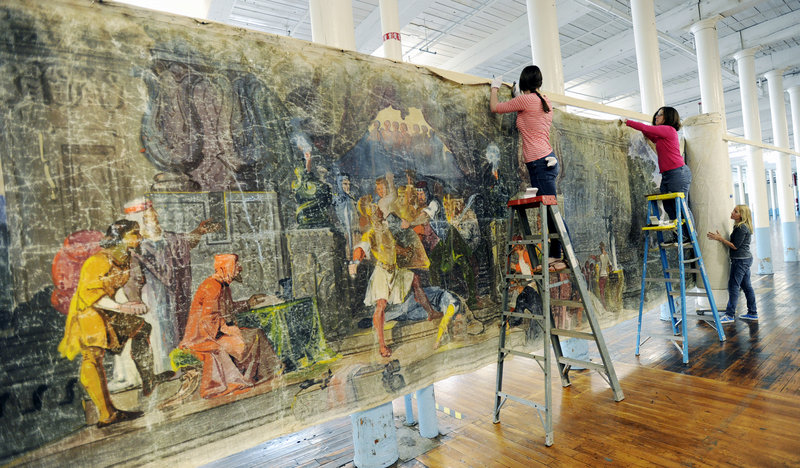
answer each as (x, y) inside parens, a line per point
(740, 277)
(544, 179)
(677, 180)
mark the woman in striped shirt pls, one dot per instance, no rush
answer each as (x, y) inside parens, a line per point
(534, 118)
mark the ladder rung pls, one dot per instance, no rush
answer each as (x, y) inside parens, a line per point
(578, 362)
(685, 270)
(566, 303)
(664, 196)
(670, 245)
(668, 337)
(525, 241)
(522, 277)
(707, 318)
(559, 283)
(535, 357)
(523, 315)
(688, 293)
(522, 400)
(662, 280)
(572, 333)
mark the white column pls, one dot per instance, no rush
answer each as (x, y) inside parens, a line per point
(759, 202)
(545, 44)
(740, 182)
(332, 23)
(785, 193)
(770, 196)
(711, 194)
(708, 65)
(390, 26)
(794, 105)
(776, 208)
(648, 59)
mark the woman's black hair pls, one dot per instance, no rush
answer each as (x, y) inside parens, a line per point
(531, 80)
(117, 231)
(671, 117)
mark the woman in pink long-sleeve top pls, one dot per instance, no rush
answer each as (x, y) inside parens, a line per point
(675, 174)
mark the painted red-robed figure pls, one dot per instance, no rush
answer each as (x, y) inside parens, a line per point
(234, 358)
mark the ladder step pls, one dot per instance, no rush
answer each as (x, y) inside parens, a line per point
(533, 404)
(572, 333)
(515, 276)
(672, 245)
(685, 270)
(689, 293)
(566, 303)
(665, 227)
(662, 280)
(535, 357)
(707, 318)
(525, 315)
(578, 362)
(668, 337)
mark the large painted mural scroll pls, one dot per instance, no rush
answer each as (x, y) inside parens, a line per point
(238, 235)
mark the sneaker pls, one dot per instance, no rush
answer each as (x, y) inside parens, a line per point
(749, 316)
(726, 319)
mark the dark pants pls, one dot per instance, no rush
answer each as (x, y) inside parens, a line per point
(740, 278)
(677, 180)
(544, 179)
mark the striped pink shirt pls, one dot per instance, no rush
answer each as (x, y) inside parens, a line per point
(533, 123)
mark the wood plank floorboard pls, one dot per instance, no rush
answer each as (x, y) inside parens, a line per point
(736, 403)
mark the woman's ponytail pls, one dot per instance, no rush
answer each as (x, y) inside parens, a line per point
(545, 107)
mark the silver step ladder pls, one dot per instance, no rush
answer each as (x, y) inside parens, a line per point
(675, 276)
(547, 207)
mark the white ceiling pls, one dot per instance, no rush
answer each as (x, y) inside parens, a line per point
(490, 37)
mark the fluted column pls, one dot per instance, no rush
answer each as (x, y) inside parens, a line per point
(785, 193)
(648, 59)
(545, 43)
(757, 188)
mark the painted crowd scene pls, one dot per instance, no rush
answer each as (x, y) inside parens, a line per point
(206, 231)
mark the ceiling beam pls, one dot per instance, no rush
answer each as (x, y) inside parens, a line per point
(509, 39)
(769, 32)
(677, 21)
(219, 10)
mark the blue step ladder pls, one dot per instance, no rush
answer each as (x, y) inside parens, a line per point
(675, 276)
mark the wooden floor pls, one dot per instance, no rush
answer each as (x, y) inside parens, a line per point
(736, 403)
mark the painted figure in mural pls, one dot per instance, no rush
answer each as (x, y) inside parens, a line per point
(344, 204)
(389, 283)
(234, 359)
(161, 276)
(398, 205)
(675, 174)
(534, 118)
(100, 318)
(741, 261)
(453, 255)
(604, 262)
(422, 212)
(313, 196)
(524, 296)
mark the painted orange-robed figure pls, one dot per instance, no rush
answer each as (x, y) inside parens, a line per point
(234, 358)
